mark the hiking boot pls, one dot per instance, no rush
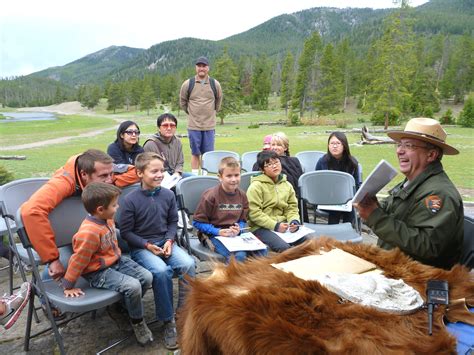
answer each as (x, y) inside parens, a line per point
(142, 333)
(14, 304)
(171, 335)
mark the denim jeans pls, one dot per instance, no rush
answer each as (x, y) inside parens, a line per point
(163, 269)
(273, 241)
(238, 255)
(126, 277)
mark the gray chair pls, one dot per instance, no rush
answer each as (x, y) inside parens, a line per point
(359, 172)
(329, 187)
(189, 192)
(467, 256)
(249, 159)
(12, 196)
(65, 220)
(308, 159)
(245, 179)
(211, 160)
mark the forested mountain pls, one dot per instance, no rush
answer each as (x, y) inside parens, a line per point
(441, 30)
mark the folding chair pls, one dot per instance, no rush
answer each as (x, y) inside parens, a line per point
(211, 160)
(245, 179)
(189, 192)
(248, 160)
(123, 245)
(12, 196)
(308, 159)
(467, 256)
(65, 220)
(329, 187)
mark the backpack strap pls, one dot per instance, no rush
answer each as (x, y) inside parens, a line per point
(212, 82)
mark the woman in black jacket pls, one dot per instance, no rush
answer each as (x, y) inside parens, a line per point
(126, 147)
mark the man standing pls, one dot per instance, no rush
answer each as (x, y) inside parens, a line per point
(201, 97)
(423, 215)
(80, 170)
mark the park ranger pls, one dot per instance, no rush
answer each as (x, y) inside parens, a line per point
(423, 215)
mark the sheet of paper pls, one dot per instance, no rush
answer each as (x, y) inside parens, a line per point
(170, 181)
(293, 237)
(336, 260)
(382, 174)
(345, 207)
(245, 242)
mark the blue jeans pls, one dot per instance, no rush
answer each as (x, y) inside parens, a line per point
(238, 255)
(163, 269)
(126, 277)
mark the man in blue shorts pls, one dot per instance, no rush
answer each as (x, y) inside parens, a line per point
(201, 98)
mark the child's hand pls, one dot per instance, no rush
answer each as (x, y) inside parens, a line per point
(294, 227)
(155, 249)
(235, 229)
(167, 248)
(283, 227)
(74, 292)
(226, 232)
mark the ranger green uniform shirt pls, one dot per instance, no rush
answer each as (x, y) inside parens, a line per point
(424, 219)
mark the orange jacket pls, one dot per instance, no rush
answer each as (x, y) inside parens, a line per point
(64, 183)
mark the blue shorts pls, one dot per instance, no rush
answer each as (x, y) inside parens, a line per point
(201, 141)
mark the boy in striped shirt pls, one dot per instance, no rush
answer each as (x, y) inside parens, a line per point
(98, 258)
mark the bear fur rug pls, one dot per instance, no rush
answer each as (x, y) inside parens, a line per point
(253, 308)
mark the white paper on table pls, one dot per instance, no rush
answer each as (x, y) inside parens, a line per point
(293, 237)
(382, 174)
(243, 242)
(170, 181)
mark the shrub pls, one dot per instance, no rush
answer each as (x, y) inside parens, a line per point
(428, 112)
(447, 117)
(466, 117)
(378, 117)
(5, 175)
(295, 119)
(254, 125)
(341, 123)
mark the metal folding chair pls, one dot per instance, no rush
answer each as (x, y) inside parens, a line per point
(189, 192)
(211, 160)
(248, 160)
(308, 159)
(467, 256)
(246, 178)
(329, 187)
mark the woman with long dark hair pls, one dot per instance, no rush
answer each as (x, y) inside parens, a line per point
(339, 158)
(126, 147)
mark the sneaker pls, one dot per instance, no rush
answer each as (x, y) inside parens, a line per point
(142, 333)
(171, 335)
(14, 304)
(188, 223)
(180, 220)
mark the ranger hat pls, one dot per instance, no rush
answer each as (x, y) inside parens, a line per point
(427, 130)
(202, 60)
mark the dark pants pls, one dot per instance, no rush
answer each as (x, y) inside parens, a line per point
(273, 241)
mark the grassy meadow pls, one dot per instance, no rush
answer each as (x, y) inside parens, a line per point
(237, 134)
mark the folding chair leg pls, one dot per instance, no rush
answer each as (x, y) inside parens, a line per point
(31, 309)
(54, 327)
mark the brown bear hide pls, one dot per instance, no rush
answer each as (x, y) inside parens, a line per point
(253, 308)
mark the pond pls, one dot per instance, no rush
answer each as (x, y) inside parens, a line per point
(27, 116)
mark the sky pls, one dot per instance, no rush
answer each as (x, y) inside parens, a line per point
(38, 34)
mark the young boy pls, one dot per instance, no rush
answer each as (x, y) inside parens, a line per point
(148, 221)
(98, 259)
(223, 210)
(272, 203)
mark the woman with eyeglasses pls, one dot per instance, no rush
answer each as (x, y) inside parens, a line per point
(339, 158)
(126, 148)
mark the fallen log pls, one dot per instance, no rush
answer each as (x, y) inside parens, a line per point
(368, 138)
(12, 157)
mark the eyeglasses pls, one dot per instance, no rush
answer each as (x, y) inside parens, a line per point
(335, 144)
(409, 146)
(272, 164)
(132, 132)
(168, 125)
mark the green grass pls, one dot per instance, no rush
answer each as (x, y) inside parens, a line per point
(234, 135)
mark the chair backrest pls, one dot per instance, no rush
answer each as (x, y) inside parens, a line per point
(211, 160)
(189, 191)
(467, 256)
(245, 179)
(65, 219)
(359, 172)
(125, 191)
(15, 193)
(249, 159)
(308, 159)
(326, 187)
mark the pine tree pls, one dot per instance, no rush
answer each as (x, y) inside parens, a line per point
(261, 83)
(466, 117)
(329, 95)
(305, 67)
(225, 71)
(393, 70)
(147, 100)
(287, 81)
(346, 61)
(115, 97)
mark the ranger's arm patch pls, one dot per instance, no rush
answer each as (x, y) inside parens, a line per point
(433, 203)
